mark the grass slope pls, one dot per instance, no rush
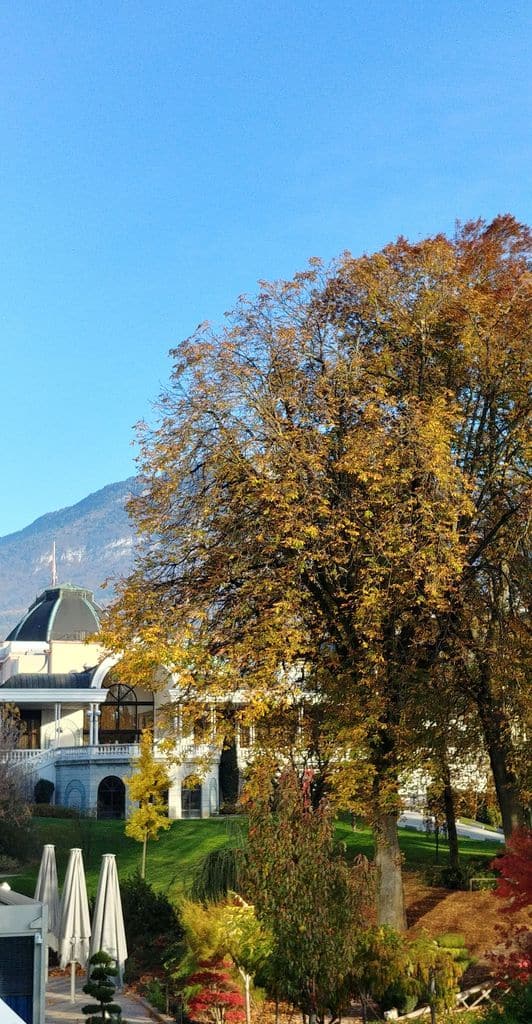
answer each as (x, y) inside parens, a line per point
(174, 857)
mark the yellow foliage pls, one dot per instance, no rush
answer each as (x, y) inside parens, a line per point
(147, 785)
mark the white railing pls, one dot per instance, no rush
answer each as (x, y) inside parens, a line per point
(34, 758)
(110, 751)
(20, 755)
(30, 759)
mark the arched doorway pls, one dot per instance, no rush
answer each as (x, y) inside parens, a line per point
(191, 801)
(111, 798)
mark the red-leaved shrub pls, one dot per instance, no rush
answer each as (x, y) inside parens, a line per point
(218, 1000)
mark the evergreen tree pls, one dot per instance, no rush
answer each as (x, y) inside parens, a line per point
(102, 988)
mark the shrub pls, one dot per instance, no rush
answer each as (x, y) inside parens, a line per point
(150, 920)
(8, 864)
(454, 943)
(515, 1006)
(217, 875)
(514, 868)
(394, 972)
(54, 811)
(43, 791)
(449, 878)
(216, 998)
(489, 813)
(17, 839)
(156, 994)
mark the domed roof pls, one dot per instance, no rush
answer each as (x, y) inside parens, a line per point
(60, 613)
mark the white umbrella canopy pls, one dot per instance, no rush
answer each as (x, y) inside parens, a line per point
(75, 927)
(46, 891)
(108, 933)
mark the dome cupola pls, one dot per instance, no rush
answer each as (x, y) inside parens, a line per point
(63, 612)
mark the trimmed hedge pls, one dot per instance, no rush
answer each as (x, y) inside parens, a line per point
(54, 811)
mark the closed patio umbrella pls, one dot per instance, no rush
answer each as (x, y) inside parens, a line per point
(46, 891)
(75, 927)
(108, 933)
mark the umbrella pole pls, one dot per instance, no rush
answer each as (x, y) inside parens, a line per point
(72, 981)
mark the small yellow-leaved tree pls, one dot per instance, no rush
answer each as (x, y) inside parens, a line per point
(147, 785)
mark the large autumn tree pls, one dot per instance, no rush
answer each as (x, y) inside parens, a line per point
(335, 480)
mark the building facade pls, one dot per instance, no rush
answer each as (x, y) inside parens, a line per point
(80, 725)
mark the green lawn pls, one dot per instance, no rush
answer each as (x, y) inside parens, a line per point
(172, 860)
(417, 847)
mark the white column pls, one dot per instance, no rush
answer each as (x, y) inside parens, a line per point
(96, 729)
(57, 722)
(90, 714)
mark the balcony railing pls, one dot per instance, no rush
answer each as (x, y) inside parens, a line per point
(110, 751)
(31, 759)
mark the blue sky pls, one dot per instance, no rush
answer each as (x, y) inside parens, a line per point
(158, 158)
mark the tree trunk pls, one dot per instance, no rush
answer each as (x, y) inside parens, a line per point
(450, 817)
(498, 743)
(143, 863)
(390, 899)
(247, 982)
(248, 1000)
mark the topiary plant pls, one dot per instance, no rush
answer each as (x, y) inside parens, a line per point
(102, 988)
(454, 943)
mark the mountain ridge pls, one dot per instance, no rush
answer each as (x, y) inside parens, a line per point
(95, 542)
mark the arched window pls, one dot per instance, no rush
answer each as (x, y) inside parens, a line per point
(123, 716)
(111, 798)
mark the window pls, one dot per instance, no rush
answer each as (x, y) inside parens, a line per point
(30, 729)
(190, 800)
(123, 717)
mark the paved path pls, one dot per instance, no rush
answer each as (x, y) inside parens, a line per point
(416, 820)
(59, 1009)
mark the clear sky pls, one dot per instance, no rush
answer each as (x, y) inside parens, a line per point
(158, 158)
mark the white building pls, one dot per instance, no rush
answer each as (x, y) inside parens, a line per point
(80, 725)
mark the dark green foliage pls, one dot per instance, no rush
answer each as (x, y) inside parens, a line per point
(43, 791)
(150, 920)
(304, 893)
(488, 813)
(217, 875)
(448, 878)
(400, 997)
(47, 810)
(7, 864)
(156, 994)
(515, 1006)
(228, 776)
(16, 838)
(102, 989)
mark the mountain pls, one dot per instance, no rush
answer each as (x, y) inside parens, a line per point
(94, 540)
